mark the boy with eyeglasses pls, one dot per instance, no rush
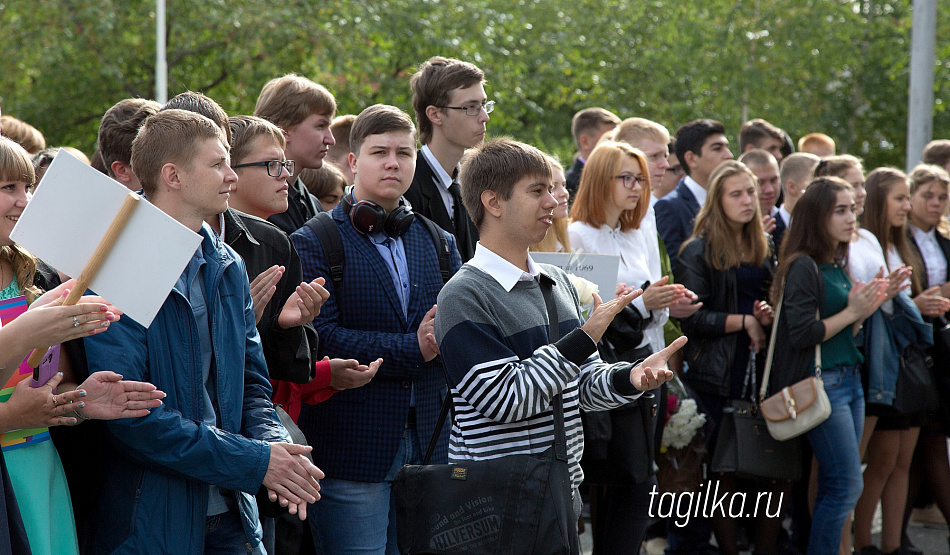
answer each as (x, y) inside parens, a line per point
(452, 109)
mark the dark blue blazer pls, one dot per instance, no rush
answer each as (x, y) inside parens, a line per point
(355, 433)
(675, 214)
(779, 232)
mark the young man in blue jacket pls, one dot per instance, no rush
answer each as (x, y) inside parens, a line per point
(183, 479)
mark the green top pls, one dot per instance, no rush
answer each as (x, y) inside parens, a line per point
(840, 350)
(10, 291)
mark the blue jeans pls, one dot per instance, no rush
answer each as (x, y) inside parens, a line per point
(224, 535)
(360, 517)
(835, 443)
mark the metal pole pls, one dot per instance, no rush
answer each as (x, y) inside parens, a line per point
(921, 98)
(161, 65)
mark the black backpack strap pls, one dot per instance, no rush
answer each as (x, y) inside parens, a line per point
(441, 247)
(328, 233)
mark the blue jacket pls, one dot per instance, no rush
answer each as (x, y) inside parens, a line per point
(159, 467)
(675, 214)
(356, 433)
(884, 338)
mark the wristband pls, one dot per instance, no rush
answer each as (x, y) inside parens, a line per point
(743, 321)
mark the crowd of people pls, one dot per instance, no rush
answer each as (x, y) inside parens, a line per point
(349, 280)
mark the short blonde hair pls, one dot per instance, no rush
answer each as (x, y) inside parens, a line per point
(287, 101)
(815, 141)
(634, 130)
(167, 137)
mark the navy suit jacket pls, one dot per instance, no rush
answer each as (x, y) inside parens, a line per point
(425, 198)
(675, 214)
(573, 177)
(779, 232)
(355, 433)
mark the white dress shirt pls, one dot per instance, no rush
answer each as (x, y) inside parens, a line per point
(444, 181)
(933, 256)
(639, 252)
(698, 191)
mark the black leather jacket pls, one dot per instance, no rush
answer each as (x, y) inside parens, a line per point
(710, 349)
(290, 354)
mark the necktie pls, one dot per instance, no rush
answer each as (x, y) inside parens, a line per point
(456, 193)
(464, 237)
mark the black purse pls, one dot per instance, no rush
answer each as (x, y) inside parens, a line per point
(916, 389)
(744, 445)
(511, 505)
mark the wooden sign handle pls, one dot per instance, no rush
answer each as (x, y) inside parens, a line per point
(92, 266)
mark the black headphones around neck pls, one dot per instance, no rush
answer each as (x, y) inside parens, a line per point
(368, 217)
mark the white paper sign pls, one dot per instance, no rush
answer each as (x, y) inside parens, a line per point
(601, 269)
(70, 213)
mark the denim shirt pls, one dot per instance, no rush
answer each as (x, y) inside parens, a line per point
(884, 338)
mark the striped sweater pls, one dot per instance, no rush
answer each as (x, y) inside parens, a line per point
(504, 372)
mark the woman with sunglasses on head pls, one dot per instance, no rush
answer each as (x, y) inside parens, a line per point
(891, 446)
(612, 215)
(729, 262)
(820, 305)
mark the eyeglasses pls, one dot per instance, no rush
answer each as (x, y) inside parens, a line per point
(474, 110)
(629, 179)
(273, 166)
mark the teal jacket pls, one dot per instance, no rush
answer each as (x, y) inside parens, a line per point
(158, 468)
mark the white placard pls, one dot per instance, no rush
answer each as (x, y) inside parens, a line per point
(70, 213)
(601, 269)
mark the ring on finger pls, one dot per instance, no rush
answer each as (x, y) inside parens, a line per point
(75, 321)
(55, 402)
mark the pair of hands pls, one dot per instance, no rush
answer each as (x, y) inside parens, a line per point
(103, 396)
(350, 374)
(865, 298)
(48, 322)
(680, 300)
(762, 317)
(301, 307)
(652, 371)
(291, 479)
(931, 302)
(426, 335)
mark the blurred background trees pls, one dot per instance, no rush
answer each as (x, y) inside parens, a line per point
(836, 66)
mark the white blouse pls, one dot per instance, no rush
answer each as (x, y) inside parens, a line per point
(932, 254)
(865, 260)
(639, 251)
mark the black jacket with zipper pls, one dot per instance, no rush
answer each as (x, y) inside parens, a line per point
(710, 350)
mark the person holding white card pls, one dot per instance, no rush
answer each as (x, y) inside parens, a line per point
(183, 479)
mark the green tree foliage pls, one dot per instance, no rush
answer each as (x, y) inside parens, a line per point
(837, 66)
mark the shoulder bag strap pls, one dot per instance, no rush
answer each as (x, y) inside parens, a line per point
(768, 359)
(328, 234)
(554, 333)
